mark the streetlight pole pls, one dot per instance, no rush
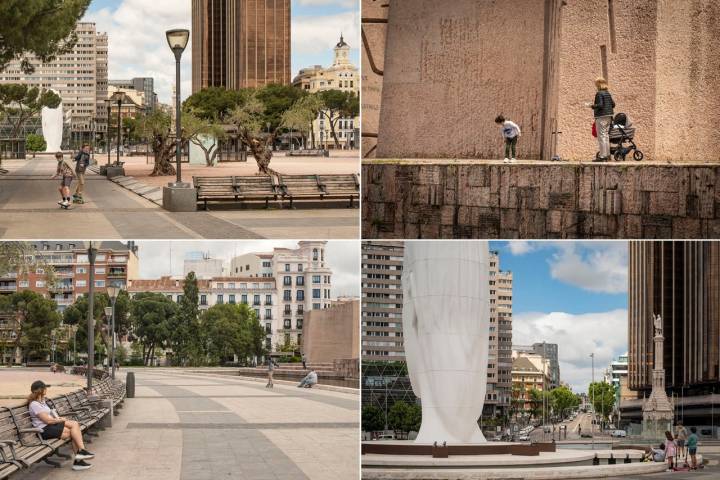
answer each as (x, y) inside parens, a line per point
(119, 130)
(75, 345)
(113, 292)
(177, 40)
(92, 252)
(107, 133)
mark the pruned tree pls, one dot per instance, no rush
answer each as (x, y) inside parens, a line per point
(156, 126)
(301, 115)
(41, 28)
(35, 143)
(206, 134)
(20, 102)
(337, 105)
(214, 103)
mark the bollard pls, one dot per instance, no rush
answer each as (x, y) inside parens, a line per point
(107, 420)
(611, 461)
(627, 458)
(596, 460)
(130, 385)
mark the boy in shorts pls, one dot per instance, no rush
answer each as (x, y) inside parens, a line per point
(64, 171)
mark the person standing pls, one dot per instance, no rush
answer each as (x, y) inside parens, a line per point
(510, 132)
(681, 438)
(82, 161)
(304, 361)
(271, 366)
(65, 172)
(670, 450)
(603, 108)
(692, 443)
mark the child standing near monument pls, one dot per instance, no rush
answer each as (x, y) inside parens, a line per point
(670, 450)
(510, 132)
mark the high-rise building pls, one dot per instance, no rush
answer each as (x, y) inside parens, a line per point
(79, 77)
(240, 43)
(382, 331)
(144, 85)
(680, 281)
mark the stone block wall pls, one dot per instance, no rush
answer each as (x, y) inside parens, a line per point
(374, 13)
(462, 199)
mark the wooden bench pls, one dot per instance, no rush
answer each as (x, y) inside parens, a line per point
(320, 152)
(235, 188)
(319, 187)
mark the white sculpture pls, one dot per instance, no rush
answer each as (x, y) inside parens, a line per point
(446, 317)
(52, 127)
(658, 325)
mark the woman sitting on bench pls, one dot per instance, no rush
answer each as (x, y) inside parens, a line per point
(55, 426)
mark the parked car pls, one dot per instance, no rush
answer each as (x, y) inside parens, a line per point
(586, 435)
(618, 433)
(523, 438)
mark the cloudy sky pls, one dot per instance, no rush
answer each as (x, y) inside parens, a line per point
(158, 258)
(573, 294)
(137, 45)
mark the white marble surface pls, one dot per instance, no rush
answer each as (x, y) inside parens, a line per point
(446, 316)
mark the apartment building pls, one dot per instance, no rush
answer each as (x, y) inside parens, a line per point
(499, 386)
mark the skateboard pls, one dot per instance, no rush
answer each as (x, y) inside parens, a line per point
(77, 199)
(66, 207)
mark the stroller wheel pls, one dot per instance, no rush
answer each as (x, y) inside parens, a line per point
(638, 155)
(619, 156)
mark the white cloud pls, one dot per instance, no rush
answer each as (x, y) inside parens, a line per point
(159, 258)
(334, 3)
(603, 333)
(594, 266)
(136, 42)
(317, 35)
(520, 247)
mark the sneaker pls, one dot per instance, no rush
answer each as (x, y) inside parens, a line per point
(62, 203)
(81, 465)
(506, 160)
(513, 160)
(84, 455)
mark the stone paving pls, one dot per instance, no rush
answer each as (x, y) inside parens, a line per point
(28, 209)
(176, 428)
(15, 383)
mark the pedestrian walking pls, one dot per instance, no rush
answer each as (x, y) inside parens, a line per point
(692, 443)
(603, 108)
(271, 366)
(65, 172)
(670, 450)
(510, 132)
(82, 161)
(304, 361)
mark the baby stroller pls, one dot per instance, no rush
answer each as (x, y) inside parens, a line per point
(622, 133)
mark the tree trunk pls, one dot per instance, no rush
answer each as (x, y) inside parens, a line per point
(162, 149)
(334, 135)
(312, 134)
(262, 152)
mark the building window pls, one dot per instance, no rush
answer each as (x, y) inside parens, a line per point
(287, 324)
(315, 254)
(219, 299)
(231, 299)
(287, 295)
(266, 264)
(268, 314)
(257, 313)
(316, 293)
(316, 306)
(300, 267)
(40, 283)
(300, 281)
(298, 323)
(220, 285)
(81, 270)
(287, 267)
(256, 300)
(203, 299)
(99, 283)
(100, 270)
(287, 281)
(81, 283)
(299, 309)
(268, 328)
(300, 295)
(316, 278)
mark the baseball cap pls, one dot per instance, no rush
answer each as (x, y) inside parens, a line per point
(38, 385)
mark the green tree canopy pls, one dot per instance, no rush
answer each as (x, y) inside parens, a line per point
(563, 399)
(43, 28)
(336, 105)
(233, 329)
(35, 143)
(37, 316)
(186, 336)
(372, 418)
(602, 398)
(204, 133)
(20, 102)
(151, 315)
(76, 314)
(213, 103)
(19, 258)
(404, 417)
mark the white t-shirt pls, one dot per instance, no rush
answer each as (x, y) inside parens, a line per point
(37, 408)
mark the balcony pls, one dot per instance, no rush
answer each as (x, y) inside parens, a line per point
(269, 303)
(61, 288)
(114, 272)
(64, 273)
(299, 312)
(8, 288)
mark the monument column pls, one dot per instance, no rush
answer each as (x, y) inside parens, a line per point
(658, 410)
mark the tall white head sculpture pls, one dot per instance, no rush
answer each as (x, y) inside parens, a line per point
(446, 317)
(52, 127)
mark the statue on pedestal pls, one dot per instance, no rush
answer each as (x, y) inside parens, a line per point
(658, 410)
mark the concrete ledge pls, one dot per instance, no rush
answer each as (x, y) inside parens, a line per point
(179, 199)
(599, 471)
(114, 171)
(488, 199)
(329, 388)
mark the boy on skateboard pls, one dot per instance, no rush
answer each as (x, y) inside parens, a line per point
(82, 161)
(65, 171)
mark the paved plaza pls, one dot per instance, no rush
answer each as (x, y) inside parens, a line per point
(29, 210)
(189, 426)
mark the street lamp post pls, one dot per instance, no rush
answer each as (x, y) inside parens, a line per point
(119, 128)
(75, 345)
(107, 133)
(92, 253)
(177, 40)
(113, 291)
